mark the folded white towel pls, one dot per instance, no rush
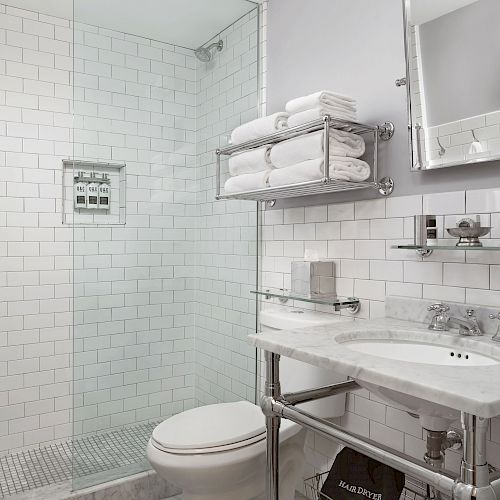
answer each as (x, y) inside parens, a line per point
(311, 146)
(259, 127)
(315, 113)
(251, 161)
(341, 168)
(318, 99)
(247, 182)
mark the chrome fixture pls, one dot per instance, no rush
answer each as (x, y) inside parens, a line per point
(437, 443)
(442, 150)
(381, 132)
(441, 321)
(401, 82)
(496, 337)
(469, 232)
(205, 54)
(473, 483)
(469, 325)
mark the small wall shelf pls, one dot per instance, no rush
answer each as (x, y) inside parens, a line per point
(384, 186)
(338, 303)
(425, 251)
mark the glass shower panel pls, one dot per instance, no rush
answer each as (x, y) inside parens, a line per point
(162, 272)
(226, 247)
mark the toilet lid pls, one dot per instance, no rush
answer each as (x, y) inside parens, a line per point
(211, 426)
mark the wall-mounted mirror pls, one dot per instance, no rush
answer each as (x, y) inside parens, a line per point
(453, 81)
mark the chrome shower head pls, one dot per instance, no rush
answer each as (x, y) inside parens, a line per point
(205, 54)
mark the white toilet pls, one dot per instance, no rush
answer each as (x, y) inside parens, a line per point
(218, 452)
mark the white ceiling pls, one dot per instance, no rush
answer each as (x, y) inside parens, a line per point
(423, 11)
(189, 23)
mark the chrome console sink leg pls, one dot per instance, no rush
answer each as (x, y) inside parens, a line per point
(272, 393)
(474, 472)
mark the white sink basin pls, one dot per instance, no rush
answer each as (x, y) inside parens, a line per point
(395, 346)
(414, 352)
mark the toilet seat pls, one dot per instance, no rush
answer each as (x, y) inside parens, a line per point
(214, 429)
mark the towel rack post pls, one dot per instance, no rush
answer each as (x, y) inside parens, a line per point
(217, 175)
(326, 150)
(375, 155)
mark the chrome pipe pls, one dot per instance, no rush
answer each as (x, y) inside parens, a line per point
(295, 398)
(437, 480)
(474, 467)
(273, 420)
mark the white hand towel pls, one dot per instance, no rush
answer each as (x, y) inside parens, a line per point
(341, 168)
(259, 127)
(311, 146)
(251, 161)
(318, 99)
(247, 182)
(316, 113)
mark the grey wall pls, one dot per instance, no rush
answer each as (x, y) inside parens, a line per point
(460, 53)
(356, 47)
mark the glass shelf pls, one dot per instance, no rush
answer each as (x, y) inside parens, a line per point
(444, 247)
(351, 303)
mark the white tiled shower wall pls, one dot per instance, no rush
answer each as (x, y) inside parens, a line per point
(226, 256)
(358, 236)
(135, 303)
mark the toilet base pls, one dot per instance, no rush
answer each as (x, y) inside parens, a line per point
(251, 486)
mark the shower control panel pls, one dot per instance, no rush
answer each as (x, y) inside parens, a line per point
(92, 191)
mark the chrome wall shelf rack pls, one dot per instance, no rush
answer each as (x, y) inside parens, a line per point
(338, 303)
(384, 186)
(426, 251)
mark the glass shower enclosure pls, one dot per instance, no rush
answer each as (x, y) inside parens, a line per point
(162, 272)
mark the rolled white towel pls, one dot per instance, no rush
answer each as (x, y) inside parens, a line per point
(311, 146)
(251, 161)
(341, 168)
(259, 127)
(315, 113)
(318, 99)
(247, 182)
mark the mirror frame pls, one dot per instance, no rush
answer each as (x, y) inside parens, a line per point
(416, 164)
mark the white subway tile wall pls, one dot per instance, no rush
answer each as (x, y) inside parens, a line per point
(367, 267)
(226, 251)
(147, 104)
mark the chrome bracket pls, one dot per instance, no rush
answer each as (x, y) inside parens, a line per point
(400, 82)
(385, 186)
(354, 308)
(270, 203)
(424, 252)
(386, 131)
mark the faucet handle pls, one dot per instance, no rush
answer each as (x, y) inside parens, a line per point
(495, 316)
(439, 308)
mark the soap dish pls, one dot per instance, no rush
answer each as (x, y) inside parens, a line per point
(468, 233)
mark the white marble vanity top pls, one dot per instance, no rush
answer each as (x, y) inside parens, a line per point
(472, 389)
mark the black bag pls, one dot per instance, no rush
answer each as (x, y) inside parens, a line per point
(354, 476)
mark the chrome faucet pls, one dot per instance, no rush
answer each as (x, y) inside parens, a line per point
(469, 325)
(441, 321)
(496, 337)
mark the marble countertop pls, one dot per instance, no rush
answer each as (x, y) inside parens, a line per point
(472, 389)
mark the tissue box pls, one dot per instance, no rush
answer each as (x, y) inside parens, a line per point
(313, 277)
